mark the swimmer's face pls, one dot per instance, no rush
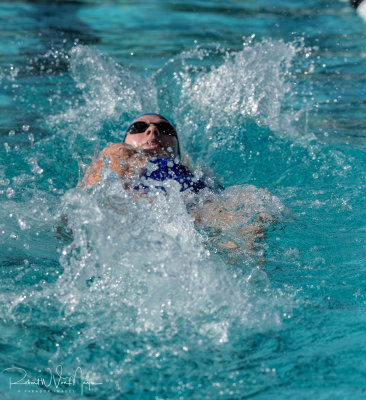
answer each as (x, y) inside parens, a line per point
(154, 138)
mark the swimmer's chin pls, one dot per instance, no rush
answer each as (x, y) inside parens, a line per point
(156, 151)
(151, 146)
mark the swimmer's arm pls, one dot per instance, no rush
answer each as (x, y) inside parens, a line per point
(92, 176)
(216, 216)
(116, 153)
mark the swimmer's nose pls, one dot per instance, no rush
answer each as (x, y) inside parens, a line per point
(152, 130)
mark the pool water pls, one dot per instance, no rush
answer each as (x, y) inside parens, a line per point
(107, 298)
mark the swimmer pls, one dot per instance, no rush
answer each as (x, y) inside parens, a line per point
(152, 138)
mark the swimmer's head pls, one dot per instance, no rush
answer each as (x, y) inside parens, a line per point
(155, 134)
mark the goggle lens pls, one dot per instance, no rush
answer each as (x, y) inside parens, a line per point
(164, 128)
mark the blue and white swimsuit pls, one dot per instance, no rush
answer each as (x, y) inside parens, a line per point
(168, 168)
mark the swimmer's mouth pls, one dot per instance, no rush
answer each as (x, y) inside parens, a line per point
(153, 144)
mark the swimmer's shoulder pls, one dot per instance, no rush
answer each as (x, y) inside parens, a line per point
(117, 149)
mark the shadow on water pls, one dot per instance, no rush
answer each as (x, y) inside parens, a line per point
(59, 28)
(58, 24)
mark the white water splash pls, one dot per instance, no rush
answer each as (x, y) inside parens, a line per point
(107, 91)
(254, 85)
(142, 266)
(147, 262)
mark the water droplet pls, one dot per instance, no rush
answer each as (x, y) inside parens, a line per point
(22, 224)
(31, 138)
(10, 193)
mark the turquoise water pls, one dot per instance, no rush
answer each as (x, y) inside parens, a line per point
(135, 300)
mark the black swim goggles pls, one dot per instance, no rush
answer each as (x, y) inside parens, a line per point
(165, 128)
